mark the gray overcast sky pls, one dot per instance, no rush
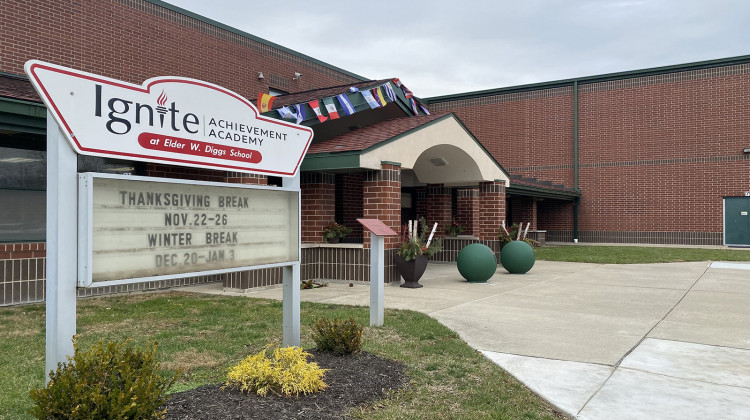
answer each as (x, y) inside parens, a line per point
(441, 47)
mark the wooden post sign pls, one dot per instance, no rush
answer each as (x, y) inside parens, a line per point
(106, 229)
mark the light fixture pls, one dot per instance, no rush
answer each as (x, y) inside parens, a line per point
(260, 76)
(439, 161)
(297, 76)
(746, 150)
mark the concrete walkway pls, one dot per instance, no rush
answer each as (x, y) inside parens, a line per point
(650, 341)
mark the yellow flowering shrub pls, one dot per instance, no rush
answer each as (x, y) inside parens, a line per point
(285, 371)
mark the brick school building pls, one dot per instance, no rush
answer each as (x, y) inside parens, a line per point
(648, 156)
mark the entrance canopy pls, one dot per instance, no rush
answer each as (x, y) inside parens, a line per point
(435, 149)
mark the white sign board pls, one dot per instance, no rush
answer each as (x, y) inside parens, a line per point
(170, 120)
(139, 228)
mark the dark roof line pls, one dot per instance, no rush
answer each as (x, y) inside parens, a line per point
(308, 95)
(517, 180)
(251, 37)
(698, 65)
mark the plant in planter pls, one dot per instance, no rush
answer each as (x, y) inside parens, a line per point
(334, 232)
(416, 246)
(454, 229)
(515, 232)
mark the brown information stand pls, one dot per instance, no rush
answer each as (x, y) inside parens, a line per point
(378, 230)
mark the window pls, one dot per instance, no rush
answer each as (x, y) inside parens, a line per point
(22, 194)
(23, 184)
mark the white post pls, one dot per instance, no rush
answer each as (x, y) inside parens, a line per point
(291, 281)
(377, 279)
(291, 306)
(62, 246)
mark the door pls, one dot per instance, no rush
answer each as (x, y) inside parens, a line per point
(736, 220)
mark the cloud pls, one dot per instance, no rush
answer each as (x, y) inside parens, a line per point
(443, 47)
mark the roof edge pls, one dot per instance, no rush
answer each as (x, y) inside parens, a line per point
(251, 37)
(540, 192)
(675, 68)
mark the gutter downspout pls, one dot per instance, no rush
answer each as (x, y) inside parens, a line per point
(575, 159)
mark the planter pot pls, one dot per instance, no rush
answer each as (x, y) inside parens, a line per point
(334, 240)
(411, 271)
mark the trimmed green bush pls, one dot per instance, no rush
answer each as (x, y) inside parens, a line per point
(340, 337)
(285, 371)
(110, 381)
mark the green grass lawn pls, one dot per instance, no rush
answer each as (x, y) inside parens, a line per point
(205, 335)
(636, 255)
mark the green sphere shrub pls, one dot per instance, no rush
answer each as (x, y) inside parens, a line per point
(110, 381)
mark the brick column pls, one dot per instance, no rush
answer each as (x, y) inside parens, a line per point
(491, 209)
(382, 200)
(438, 207)
(318, 191)
(467, 211)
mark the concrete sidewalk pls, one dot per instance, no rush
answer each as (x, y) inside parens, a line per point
(650, 341)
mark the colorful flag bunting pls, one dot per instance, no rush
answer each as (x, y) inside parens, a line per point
(331, 108)
(414, 106)
(389, 91)
(378, 94)
(370, 99)
(407, 92)
(316, 109)
(300, 114)
(423, 108)
(285, 112)
(346, 105)
(265, 102)
(353, 89)
(397, 82)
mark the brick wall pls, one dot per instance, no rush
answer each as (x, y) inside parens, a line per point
(318, 195)
(529, 133)
(349, 203)
(657, 153)
(134, 40)
(556, 217)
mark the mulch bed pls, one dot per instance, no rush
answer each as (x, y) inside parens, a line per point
(352, 380)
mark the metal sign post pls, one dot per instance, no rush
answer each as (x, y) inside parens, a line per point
(291, 284)
(62, 185)
(378, 230)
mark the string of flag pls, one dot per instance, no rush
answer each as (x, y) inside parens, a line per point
(376, 97)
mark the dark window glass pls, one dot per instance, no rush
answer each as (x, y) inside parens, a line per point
(23, 181)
